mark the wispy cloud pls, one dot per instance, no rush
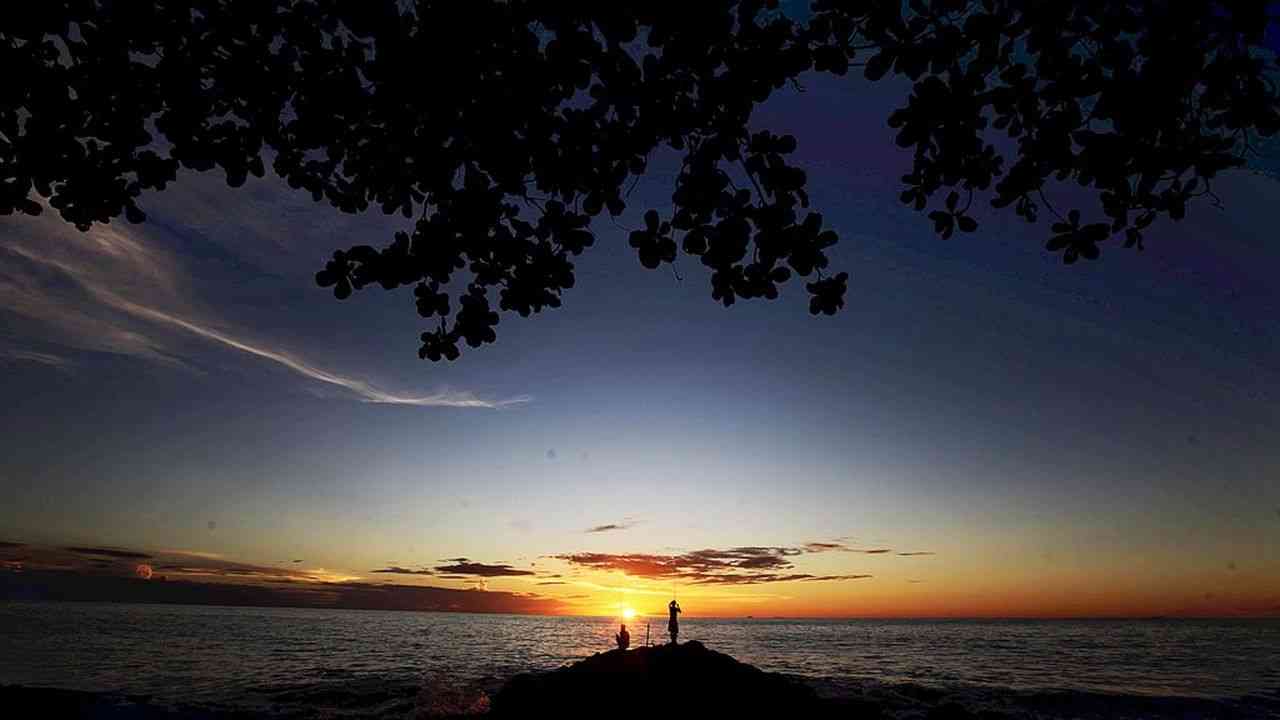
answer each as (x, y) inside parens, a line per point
(58, 312)
(749, 565)
(114, 271)
(31, 356)
(483, 570)
(915, 554)
(204, 554)
(363, 389)
(164, 564)
(762, 578)
(397, 570)
(817, 547)
(610, 527)
(110, 552)
(57, 573)
(842, 545)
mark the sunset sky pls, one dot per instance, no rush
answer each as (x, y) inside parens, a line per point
(981, 432)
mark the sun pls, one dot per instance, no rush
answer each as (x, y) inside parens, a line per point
(628, 613)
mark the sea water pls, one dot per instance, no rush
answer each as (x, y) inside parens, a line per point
(237, 655)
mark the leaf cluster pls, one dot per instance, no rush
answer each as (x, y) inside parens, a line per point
(501, 129)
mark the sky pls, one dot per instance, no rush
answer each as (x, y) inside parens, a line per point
(981, 432)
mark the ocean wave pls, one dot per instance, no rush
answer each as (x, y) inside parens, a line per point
(916, 700)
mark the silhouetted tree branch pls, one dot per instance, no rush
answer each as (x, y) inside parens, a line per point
(502, 128)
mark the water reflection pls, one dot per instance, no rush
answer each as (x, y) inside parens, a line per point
(213, 652)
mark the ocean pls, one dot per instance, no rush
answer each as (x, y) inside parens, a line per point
(274, 657)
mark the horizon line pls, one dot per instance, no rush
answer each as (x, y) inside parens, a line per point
(761, 618)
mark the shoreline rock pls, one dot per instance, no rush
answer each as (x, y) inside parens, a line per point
(686, 679)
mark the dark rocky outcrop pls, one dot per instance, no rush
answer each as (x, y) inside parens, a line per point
(686, 679)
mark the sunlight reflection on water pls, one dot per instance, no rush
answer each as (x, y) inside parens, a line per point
(214, 653)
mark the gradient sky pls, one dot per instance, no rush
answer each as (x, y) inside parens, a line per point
(1021, 437)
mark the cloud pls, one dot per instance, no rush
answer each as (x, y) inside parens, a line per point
(366, 391)
(45, 277)
(624, 525)
(397, 570)
(651, 565)
(111, 272)
(195, 553)
(475, 569)
(840, 545)
(57, 584)
(761, 578)
(749, 565)
(42, 358)
(110, 552)
(817, 547)
(179, 564)
(553, 582)
(196, 567)
(916, 554)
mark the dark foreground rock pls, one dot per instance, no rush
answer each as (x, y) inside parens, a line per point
(683, 680)
(39, 703)
(671, 682)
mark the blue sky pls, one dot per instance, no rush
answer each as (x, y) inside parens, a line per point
(183, 385)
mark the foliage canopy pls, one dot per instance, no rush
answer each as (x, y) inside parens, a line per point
(500, 128)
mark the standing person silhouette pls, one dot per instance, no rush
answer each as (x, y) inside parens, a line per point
(623, 638)
(673, 625)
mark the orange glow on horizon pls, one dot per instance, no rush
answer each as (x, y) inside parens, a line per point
(1010, 594)
(831, 585)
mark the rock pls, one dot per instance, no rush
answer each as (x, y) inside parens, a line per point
(680, 680)
(950, 711)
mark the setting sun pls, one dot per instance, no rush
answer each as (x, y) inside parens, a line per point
(628, 613)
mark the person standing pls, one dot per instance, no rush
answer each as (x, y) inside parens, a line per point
(673, 625)
(623, 638)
